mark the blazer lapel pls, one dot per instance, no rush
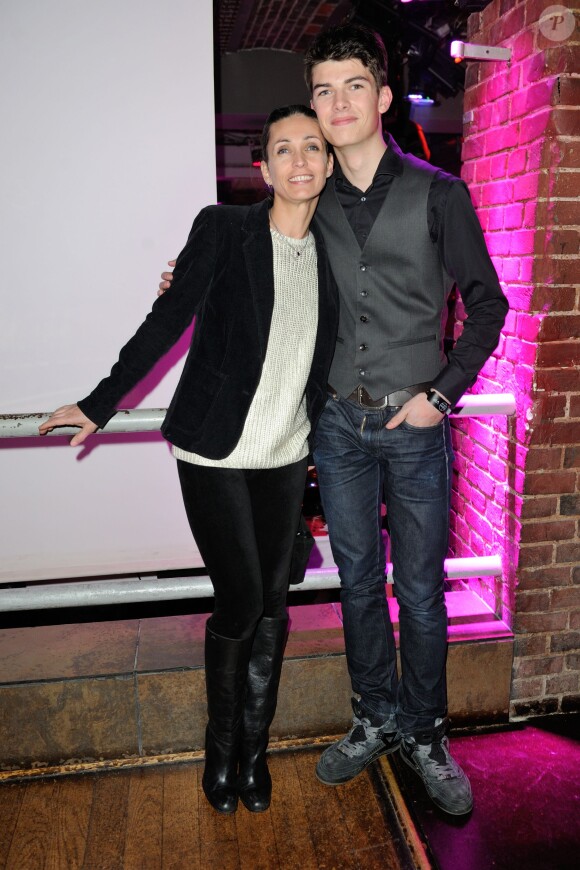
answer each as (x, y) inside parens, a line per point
(327, 304)
(259, 259)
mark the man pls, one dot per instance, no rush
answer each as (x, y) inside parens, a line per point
(399, 234)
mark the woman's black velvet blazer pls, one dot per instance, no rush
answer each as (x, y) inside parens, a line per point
(224, 278)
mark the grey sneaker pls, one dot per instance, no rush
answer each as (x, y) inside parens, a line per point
(446, 783)
(367, 740)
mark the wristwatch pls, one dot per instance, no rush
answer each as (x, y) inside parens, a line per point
(438, 402)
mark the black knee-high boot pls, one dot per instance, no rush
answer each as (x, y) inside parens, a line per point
(254, 781)
(226, 668)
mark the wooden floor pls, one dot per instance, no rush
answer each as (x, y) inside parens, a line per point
(157, 817)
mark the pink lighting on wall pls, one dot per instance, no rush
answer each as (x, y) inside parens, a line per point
(516, 481)
(501, 165)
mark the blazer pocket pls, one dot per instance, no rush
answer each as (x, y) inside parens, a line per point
(198, 389)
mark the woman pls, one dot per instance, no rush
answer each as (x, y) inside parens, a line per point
(254, 383)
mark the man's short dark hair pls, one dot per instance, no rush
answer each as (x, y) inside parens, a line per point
(345, 42)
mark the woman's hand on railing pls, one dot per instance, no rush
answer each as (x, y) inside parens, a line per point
(69, 415)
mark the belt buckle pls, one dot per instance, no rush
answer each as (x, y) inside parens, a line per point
(374, 406)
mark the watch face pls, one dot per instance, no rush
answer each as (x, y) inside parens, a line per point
(439, 403)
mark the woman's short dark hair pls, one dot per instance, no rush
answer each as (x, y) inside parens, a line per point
(345, 42)
(279, 115)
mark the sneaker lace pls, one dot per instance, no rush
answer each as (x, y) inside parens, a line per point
(440, 761)
(358, 737)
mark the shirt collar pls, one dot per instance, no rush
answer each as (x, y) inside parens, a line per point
(391, 163)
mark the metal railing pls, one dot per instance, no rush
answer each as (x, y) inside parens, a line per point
(125, 590)
(150, 419)
(40, 596)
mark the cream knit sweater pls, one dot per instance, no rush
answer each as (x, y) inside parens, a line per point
(277, 425)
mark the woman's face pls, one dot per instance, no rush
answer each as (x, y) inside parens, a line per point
(298, 163)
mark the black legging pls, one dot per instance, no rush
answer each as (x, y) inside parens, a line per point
(244, 523)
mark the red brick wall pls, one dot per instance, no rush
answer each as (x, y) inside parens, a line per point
(517, 481)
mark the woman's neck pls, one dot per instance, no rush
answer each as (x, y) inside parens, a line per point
(292, 221)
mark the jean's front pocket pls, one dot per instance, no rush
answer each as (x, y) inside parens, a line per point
(410, 428)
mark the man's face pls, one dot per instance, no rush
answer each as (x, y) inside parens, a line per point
(346, 100)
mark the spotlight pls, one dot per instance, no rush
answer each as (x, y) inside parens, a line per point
(420, 100)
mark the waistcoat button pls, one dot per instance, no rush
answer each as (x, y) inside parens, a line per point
(364, 318)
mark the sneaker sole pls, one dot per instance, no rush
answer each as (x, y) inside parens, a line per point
(446, 809)
(386, 751)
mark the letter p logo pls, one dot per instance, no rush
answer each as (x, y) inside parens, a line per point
(557, 23)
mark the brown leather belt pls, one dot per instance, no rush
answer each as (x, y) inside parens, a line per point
(392, 400)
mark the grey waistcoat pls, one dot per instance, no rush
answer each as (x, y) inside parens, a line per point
(393, 293)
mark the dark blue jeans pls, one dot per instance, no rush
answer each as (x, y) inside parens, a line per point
(358, 460)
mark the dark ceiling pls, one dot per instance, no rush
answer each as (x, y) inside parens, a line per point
(417, 34)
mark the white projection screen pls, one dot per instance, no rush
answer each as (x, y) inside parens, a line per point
(107, 153)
